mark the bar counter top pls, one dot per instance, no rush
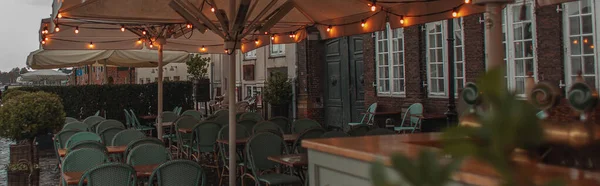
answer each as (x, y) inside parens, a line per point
(473, 172)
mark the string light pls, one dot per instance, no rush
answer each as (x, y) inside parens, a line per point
(585, 40)
(292, 35)
(76, 30)
(256, 41)
(329, 28)
(454, 12)
(45, 31)
(374, 6)
(203, 48)
(273, 37)
(227, 51)
(43, 42)
(266, 33)
(592, 46)
(362, 23)
(139, 41)
(143, 32)
(575, 42)
(122, 28)
(467, 1)
(45, 38)
(212, 9)
(59, 15)
(189, 26)
(151, 44)
(401, 19)
(91, 45)
(56, 29)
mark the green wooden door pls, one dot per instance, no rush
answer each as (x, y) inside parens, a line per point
(344, 88)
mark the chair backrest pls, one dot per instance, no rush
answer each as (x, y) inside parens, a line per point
(262, 145)
(222, 120)
(240, 132)
(379, 131)
(175, 110)
(126, 136)
(114, 174)
(178, 172)
(108, 134)
(222, 112)
(93, 120)
(70, 119)
(146, 140)
(186, 122)
(82, 136)
(108, 124)
(359, 130)
(302, 125)
(148, 154)
(134, 120)
(205, 136)
(267, 126)
(334, 134)
(128, 119)
(81, 160)
(168, 116)
(88, 144)
(238, 115)
(76, 125)
(61, 138)
(368, 117)
(249, 124)
(413, 112)
(251, 115)
(283, 123)
(97, 113)
(308, 134)
(193, 113)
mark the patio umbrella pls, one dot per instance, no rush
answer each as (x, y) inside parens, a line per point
(247, 24)
(44, 75)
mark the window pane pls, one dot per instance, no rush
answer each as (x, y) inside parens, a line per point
(586, 6)
(395, 45)
(518, 32)
(434, 86)
(528, 31)
(586, 22)
(589, 67)
(401, 71)
(432, 57)
(528, 49)
(575, 46)
(459, 54)
(433, 70)
(459, 84)
(519, 70)
(440, 55)
(574, 25)
(401, 57)
(459, 70)
(520, 85)
(575, 65)
(588, 44)
(439, 40)
(396, 73)
(441, 85)
(400, 44)
(402, 85)
(591, 81)
(397, 86)
(529, 66)
(440, 68)
(573, 8)
(396, 59)
(518, 50)
(431, 40)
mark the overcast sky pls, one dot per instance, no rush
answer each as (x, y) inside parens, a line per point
(19, 30)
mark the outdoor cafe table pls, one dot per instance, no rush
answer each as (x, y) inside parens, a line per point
(286, 137)
(166, 124)
(111, 150)
(291, 160)
(142, 171)
(148, 117)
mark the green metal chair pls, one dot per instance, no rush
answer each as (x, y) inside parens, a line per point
(359, 130)
(168, 116)
(267, 126)
(108, 134)
(113, 174)
(178, 172)
(60, 141)
(148, 154)
(82, 160)
(126, 136)
(334, 134)
(87, 144)
(541, 115)
(414, 114)
(222, 112)
(76, 125)
(182, 139)
(138, 126)
(222, 120)
(70, 119)
(129, 123)
(258, 148)
(93, 120)
(82, 136)
(135, 143)
(204, 144)
(238, 115)
(240, 132)
(251, 115)
(379, 131)
(283, 123)
(308, 134)
(249, 124)
(302, 125)
(193, 113)
(97, 113)
(368, 117)
(108, 124)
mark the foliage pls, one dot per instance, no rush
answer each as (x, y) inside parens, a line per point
(10, 93)
(83, 101)
(27, 115)
(425, 171)
(11, 76)
(278, 90)
(21, 167)
(197, 66)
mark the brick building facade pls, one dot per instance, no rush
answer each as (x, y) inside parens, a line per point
(94, 75)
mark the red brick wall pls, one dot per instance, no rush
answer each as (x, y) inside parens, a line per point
(310, 75)
(119, 77)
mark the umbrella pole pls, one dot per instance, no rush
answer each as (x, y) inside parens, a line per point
(159, 126)
(232, 120)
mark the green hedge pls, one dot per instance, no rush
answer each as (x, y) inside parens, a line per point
(83, 101)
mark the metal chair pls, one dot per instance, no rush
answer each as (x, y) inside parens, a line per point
(81, 160)
(249, 124)
(302, 125)
(414, 114)
(267, 126)
(379, 131)
(204, 144)
(138, 126)
(92, 121)
(126, 136)
(113, 174)
(367, 117)
(240, 132)
(178, 172)
(183, 140)
(108, 124)
(222, 120)
(334, 134)
(129, 123)
(76, 125)
(70, 119)
(87, 144)
(108, 134)
(283, 123)
(193, 113)
(82, 136)
(135, 143)
(168, 116)
(308, 134)
(251, 115)
(148, 154)
(258, 148)
(60, 141)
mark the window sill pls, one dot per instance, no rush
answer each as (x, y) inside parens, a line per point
(391, 95)
(249, 59)
(441, 96)
(276, 56)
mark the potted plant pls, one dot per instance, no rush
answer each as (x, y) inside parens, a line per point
(197, 68)
(23, 118)
(278, 94)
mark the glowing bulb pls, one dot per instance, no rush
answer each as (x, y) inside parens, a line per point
(401, 20)
(227, 51)
(212, 9)
(56, 29)
(592, 46)
(151, 44)
(203, 48)
(189, 26)
(585, 41)
(467, 1)
(373, 8)
(256, 41)
(143, 32)
(59, 15)
(91, 45)
(122, 28)
(45, 39)
(77, 30)
(329, 28)
(43, 42)
(266, 33)
(292, 35)
(454, 13)
(575, 42)
(273, 37)
(362, 23)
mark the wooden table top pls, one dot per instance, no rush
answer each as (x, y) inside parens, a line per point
(148, 117)
(291, 160)
(286, 137)
(165, 124)
(372, 148)
(185, 130)
(111, 150)
(142, 171)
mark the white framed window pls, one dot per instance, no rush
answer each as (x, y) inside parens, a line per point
(437, 57)
(519, 45)
(389, 48)
(250, 55)
(277, 50)
(579, 29)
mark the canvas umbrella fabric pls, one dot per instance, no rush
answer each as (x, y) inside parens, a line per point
(44, 75)
(247, 24)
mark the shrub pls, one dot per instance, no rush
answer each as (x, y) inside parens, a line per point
(10, 93)
(278, 90)
(28, 115)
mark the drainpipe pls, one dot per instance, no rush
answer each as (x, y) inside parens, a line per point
(451, 113)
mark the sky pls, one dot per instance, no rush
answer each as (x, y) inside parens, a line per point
(19, 30)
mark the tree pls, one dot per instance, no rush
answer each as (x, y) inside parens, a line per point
(23, 70)
(198, 66)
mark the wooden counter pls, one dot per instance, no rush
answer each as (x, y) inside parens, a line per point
(346, 162)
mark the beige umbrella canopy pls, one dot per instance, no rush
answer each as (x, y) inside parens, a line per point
(248, 24)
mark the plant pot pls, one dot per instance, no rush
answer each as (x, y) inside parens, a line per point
(23, 177)
(201, 89)
(25, 151)
(280, 110)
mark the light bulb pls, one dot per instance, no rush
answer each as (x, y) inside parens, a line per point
(59, 15)
(291, 35)
(43, 42)
(122, 28)
(329, 28)
(139, 41)
(401, 20)
(203, 48)
(77, 30)
(266, 33)
(189, 25)
(362, 23)
(467, 1)
(373, 8)
(575, 42)
(143, 32)
(56, 29)
(227, 51)
(273, 37)
(585, 40)
(151, 44)
(592, 46)
(91, 45)
(45, 39)
(212, 9)
(454, 13)
(256, 41)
